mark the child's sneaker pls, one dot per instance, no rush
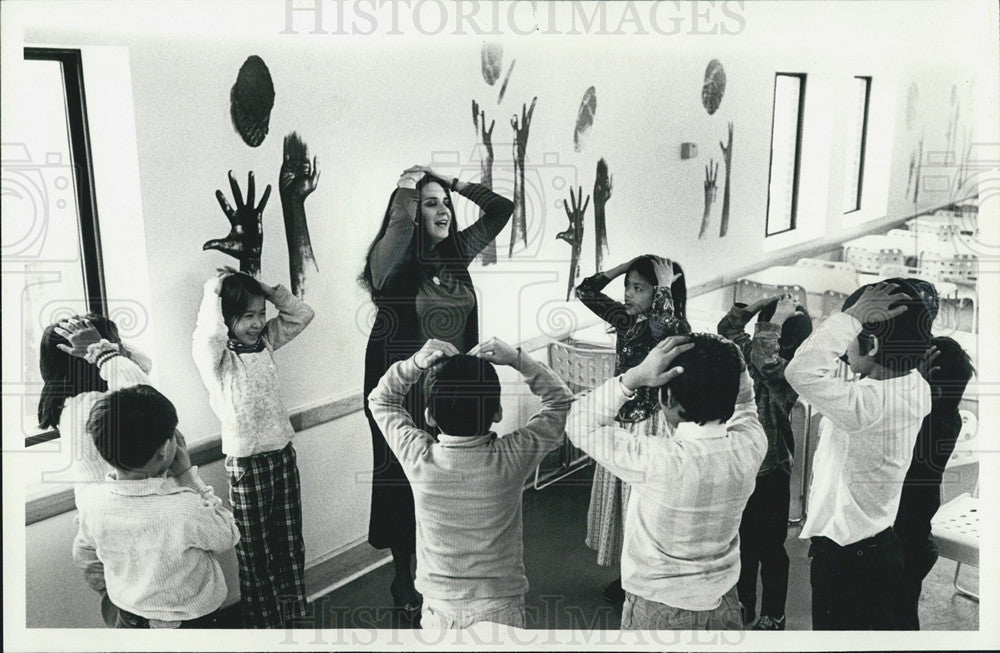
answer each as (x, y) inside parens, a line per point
(767, 622)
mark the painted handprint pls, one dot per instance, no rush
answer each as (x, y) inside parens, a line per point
(246, 234)
(489, 254)
(519, 221)
(711, 175)
(727, 158)
(574, 234)
(602, 193)
(297, 180)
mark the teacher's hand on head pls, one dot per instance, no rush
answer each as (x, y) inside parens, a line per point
(653, 370)
(80, 333)
(433, 352)
(410, 177)
(495, 351)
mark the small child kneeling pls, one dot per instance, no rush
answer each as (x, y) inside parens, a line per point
(153, 536)
(467, 485)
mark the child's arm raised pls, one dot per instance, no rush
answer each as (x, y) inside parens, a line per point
(733, 324)
(208, 343)
(544, 430)
(590, 425)
(813, 371)
(386, 402)
(110, 358)
(744, 421)
(765, 361)
(209, 526)
(294, 315)
(589, 292)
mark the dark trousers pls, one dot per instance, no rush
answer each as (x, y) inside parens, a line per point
(856, 587)
(919, 556)
(762, 546)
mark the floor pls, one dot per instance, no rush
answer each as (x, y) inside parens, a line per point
(566, 582)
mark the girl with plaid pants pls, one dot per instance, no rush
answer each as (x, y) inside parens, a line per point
(232, 347)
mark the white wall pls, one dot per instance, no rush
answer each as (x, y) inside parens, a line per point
(370, 106)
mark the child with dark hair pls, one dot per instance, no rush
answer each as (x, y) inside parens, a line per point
(155, 535)
(467, 484)
(948, 369)
(654, 308)
(866, 441)
(233, 347)
(681, 558)
(781, 327)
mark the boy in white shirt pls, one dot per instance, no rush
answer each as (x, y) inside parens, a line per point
(866, 442)
(681, 558)
(154, 537)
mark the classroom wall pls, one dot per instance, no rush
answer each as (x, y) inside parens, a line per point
(370, 106)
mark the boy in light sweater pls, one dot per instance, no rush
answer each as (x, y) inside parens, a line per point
(866, 440)
(467, 484)
(232, 347)
(681, 558)
(150, 538)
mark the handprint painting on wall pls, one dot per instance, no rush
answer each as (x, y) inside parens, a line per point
(298, 178)
(246, 233)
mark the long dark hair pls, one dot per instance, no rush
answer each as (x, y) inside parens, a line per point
(643, 266)
(66, 376)
(410, 268)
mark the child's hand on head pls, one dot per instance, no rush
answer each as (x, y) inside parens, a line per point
(80, 333)
(433, 352)
(926, 365)
(785, 309)
(664, 270)
(653, 370)
(182, 460)
(759, 305)
(876, 303)
(495, 351)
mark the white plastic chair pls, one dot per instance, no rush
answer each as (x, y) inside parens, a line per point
(955, 526)
(870, 258)
(961, 268)
(818, 263)
(581, 368)
(748, 291)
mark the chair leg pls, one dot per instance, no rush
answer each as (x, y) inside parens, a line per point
(961, 590)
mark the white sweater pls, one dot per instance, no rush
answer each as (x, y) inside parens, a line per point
(243, 388)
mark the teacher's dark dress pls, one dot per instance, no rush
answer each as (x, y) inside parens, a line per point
(436, 300)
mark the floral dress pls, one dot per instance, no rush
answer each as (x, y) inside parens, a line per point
(637, 335)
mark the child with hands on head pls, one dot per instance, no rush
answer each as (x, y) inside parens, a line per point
(866, 440)
(150, 539)
(233, 347)
(654, 308)
(467, 482)
(681, 559)
(781, 327)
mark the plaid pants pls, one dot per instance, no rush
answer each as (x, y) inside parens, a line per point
(266, 497)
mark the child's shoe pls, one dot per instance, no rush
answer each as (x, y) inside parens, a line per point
(767, 622)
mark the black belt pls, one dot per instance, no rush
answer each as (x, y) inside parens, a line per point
(820, 544)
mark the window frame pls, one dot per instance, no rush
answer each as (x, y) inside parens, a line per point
(78, 131)
(796, 173)
(864, 143)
